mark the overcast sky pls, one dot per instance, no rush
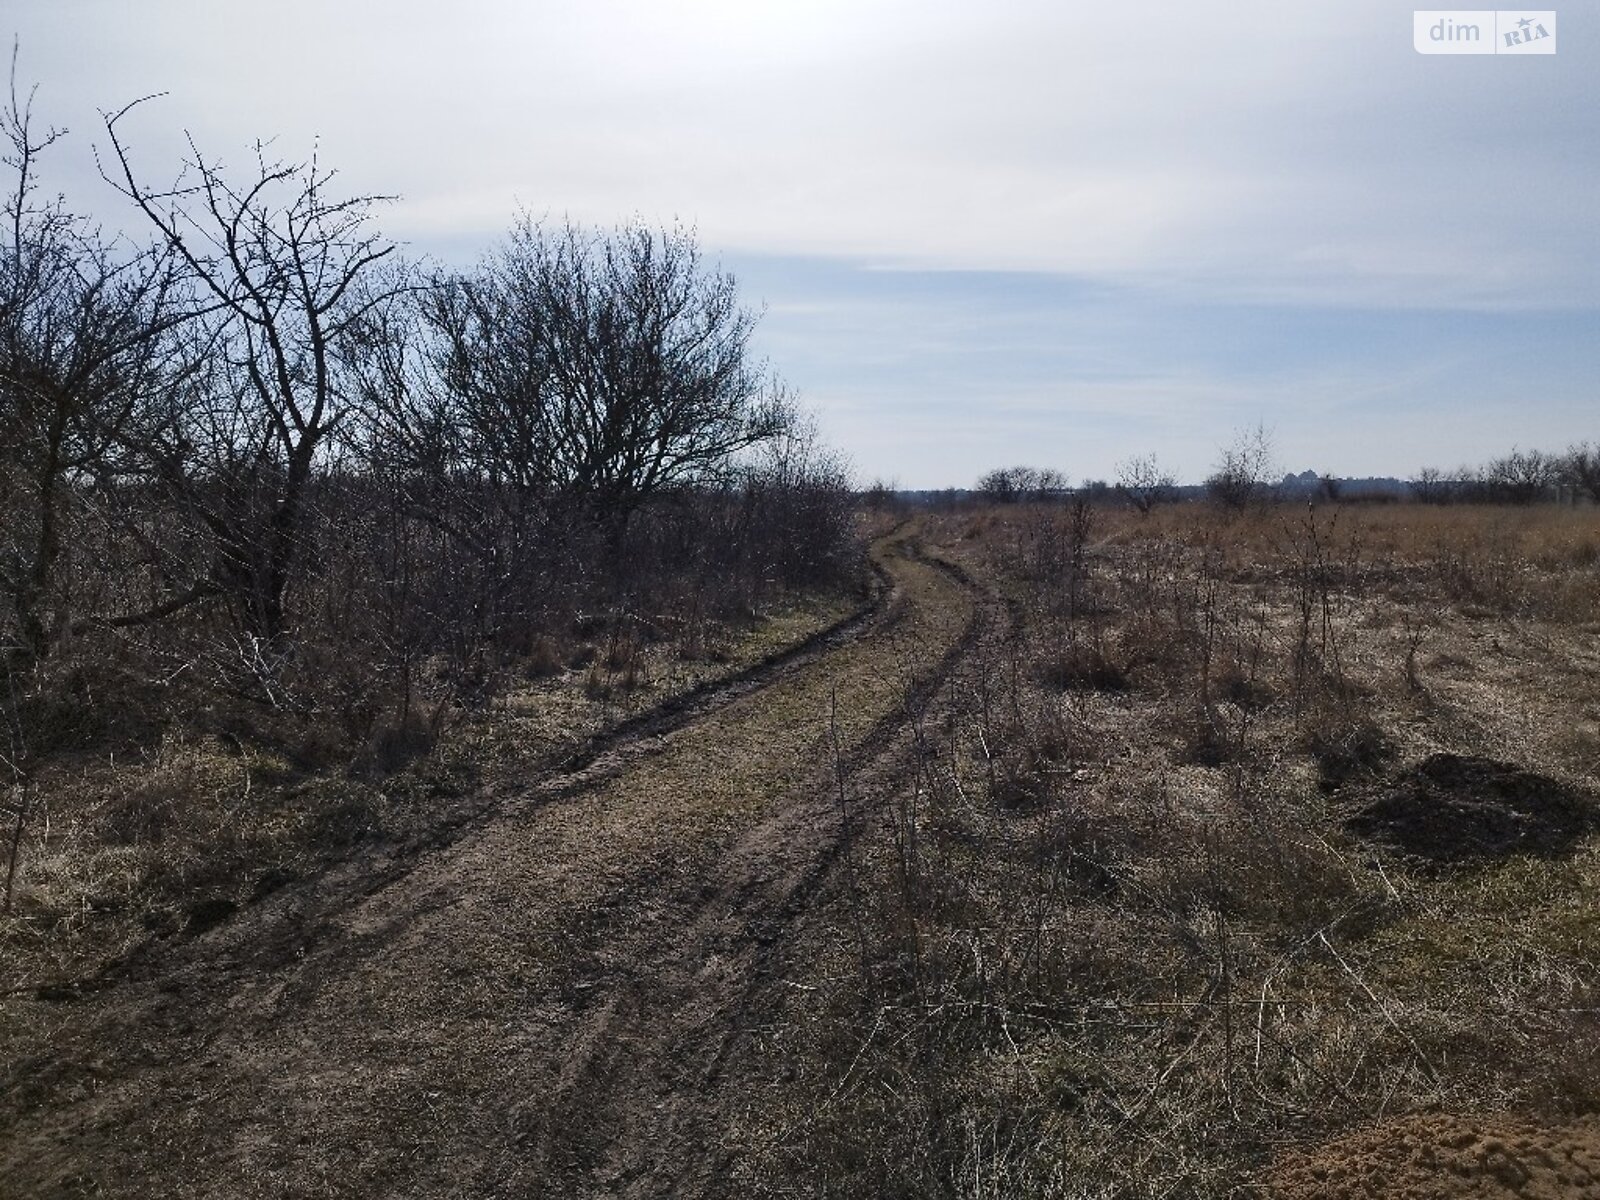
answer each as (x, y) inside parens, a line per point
(1013, 232)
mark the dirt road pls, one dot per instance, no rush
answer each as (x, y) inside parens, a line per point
(546, 1006)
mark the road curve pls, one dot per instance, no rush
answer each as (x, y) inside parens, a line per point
(541, 1007)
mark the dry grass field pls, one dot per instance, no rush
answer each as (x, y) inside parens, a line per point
(1191, 853)
(1239, 835)
(467, 731)
(138, 840)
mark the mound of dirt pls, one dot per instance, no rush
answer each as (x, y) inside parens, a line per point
(1453, 808)
(1448, 1158)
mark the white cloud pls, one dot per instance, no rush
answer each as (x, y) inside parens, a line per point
(1269, 150)
(1208, 157)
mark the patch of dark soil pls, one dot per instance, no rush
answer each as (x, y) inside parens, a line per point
(60, 993)
(1243, 690)
(1455, 808)
(209, 913)
(1083, 668)
(162, 922)
(1349, 753)
(1206, 744)
(270, 881)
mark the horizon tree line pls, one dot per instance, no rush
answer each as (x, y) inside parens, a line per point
(1246, 474)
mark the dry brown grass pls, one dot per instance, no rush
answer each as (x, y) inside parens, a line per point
(1533, 560)
(1120, 925)
(536, 1002)
(139, 834)
(1127, 940)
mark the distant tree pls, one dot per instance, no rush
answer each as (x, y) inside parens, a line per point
(1521, 477)
(1471, 485)
(1144, 483)
(1430, 486)
(879, 495)
(1580, 470)
(1244, 470)
(1010, 485)
(998, 486)
(1049, 484)
(1329, 487)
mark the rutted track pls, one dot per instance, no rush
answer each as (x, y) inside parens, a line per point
(543, 1006)
(322, 899)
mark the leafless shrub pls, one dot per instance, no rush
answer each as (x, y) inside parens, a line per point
(1144, 483)
(272, 494)
(1580, 469)
(1013, 485)
(1244, 471)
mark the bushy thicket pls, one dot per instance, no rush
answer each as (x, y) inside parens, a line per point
(256, 464)
(1520, 477)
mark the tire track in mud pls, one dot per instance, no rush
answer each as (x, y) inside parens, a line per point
(701, 999)
(542, 1006)
(344, 884)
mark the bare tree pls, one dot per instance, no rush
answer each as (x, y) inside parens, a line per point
(1521, 477)
(1245, 470)
(1580, 470)
(1431, 487)
(278, 267)
(1050, 484)
(999, 486)
(879, 494)
(1145, 483)
(605, 368)
(1007, 485)
(81, 324)
(451, 435)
